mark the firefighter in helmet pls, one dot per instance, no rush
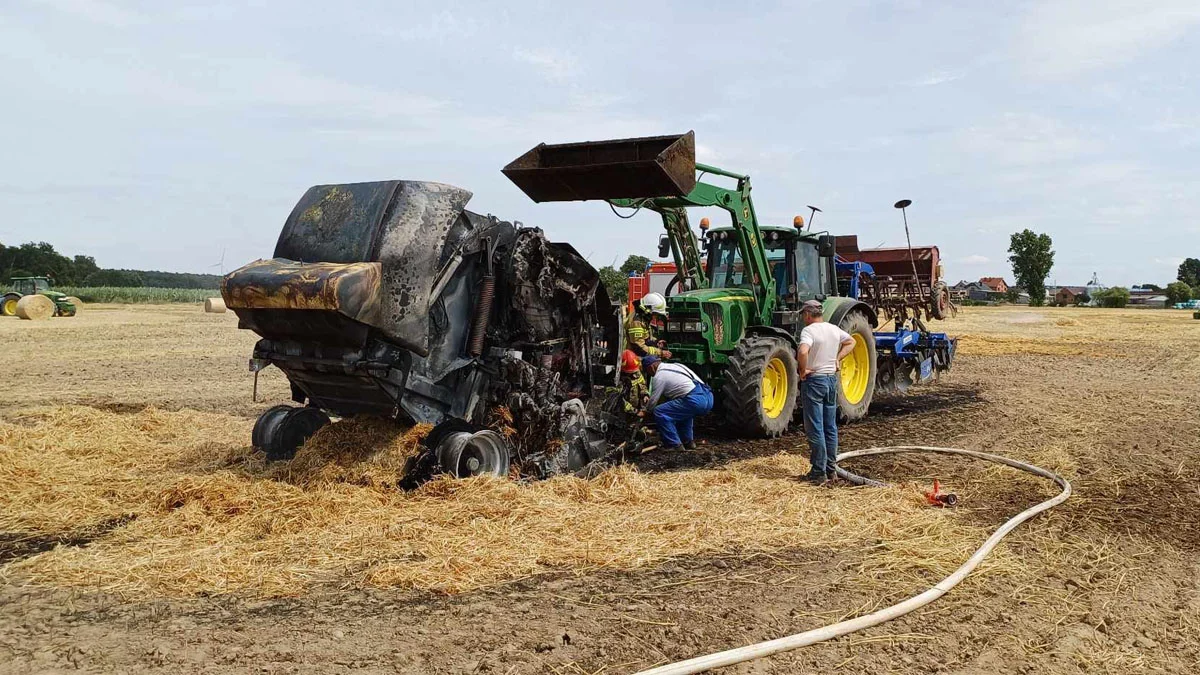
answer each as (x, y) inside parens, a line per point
(641, 326)
(633, 390)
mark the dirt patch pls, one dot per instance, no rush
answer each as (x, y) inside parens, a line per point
(1106, 583)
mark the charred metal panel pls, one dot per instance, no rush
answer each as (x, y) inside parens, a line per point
(336, 223)
(410, 249)
(319, 327)
(351, 289)
(402, 225)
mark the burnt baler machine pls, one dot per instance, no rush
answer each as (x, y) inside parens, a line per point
(391, 299)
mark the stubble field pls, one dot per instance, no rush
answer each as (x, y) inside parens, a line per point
(139, 530)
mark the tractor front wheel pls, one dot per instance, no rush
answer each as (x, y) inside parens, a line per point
(857, 369)
(759, 393)
(8, 305)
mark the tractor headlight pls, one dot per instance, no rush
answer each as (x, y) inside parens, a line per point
(693, 326)
(673, 326)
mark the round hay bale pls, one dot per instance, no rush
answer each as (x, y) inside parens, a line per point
(214, 306)
(75, 301)
(35, 307)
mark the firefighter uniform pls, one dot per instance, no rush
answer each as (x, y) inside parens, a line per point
(639, 335)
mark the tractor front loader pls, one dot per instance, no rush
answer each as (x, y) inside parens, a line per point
(737, 320)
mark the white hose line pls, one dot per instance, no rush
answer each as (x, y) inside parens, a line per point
(703, 663)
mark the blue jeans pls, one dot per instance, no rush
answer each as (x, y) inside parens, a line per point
(820, 421)
(674, 418)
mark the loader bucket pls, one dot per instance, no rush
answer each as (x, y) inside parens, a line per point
(630, 168)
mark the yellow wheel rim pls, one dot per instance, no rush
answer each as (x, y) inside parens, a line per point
(10, 307)
(856, 370)
(774, 388)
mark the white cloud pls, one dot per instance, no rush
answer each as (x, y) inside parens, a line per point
(440, 27)
(1170, 262)
(96, 11)
(552, 63)
(706, 154)
(1062, 38)
(1024, 139)
(939, 77)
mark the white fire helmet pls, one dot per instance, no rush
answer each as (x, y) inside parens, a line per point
(654, 302)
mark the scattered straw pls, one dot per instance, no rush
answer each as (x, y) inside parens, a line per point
(213, 517)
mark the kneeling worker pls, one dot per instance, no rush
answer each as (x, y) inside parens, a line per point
(632, 390)
(677, 397)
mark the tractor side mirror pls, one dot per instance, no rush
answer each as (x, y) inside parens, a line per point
(825, 246)
(664, 246)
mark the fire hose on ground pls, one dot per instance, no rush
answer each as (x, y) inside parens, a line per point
(726, 658)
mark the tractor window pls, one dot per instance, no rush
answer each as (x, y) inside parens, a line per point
(808, 271)
(725, 269)
(40, 285)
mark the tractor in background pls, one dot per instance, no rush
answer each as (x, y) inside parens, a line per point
(735, 318)
(19, 287)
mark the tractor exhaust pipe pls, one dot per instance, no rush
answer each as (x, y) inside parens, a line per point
(629, 168)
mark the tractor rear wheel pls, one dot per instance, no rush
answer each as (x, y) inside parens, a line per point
(857, 369)
(761, 382)
(8, 305)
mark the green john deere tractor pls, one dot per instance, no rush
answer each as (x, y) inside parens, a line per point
(22, 286)
(736, 319)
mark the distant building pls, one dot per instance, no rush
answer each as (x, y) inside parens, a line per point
(996, 284)
(976, 290)
(1067, 295)
(1145, 297)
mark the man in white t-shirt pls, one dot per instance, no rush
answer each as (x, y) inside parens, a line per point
(822, 348)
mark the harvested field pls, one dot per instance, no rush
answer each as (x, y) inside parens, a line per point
(139, 530)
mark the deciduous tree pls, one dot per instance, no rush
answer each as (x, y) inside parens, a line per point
(1032, 257)
(1189, 272)
(1177, 291)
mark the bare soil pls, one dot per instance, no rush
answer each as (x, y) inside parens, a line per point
(1108, 582)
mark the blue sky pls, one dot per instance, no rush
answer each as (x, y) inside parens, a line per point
(158, 135)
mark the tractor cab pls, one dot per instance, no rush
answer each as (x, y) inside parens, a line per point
(799, 270)
(31, 285)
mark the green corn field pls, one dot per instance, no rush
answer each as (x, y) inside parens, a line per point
(138, 295)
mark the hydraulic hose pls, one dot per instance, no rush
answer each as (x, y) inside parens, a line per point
(716, 660)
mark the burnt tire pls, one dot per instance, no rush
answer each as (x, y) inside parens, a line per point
(856, 382)
(760, 388)
(281, 430)
(8, 304)
(464, 454)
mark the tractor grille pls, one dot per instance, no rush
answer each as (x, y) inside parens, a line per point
(716, 321)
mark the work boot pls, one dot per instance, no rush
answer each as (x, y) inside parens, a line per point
(815, 478)
(690, 445)
(673, 448)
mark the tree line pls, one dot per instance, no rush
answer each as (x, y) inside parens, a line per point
(41, 260)
(1032, 256)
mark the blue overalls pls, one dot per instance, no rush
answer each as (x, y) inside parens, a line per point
(674, 418)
